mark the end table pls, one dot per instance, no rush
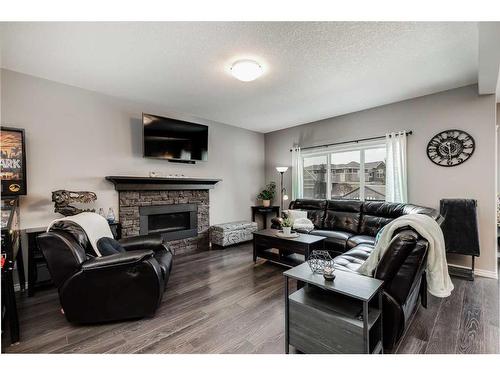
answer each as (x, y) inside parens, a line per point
(264, 211)
(339, 316)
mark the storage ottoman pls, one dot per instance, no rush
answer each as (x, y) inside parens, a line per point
(232, 233)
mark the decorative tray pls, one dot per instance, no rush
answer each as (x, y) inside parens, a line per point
(291, 235)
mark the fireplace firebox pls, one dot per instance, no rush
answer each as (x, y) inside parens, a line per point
(172, 221)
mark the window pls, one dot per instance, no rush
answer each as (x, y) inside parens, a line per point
(356, 172)
(345, 168)
(374, 187)
(314, 177)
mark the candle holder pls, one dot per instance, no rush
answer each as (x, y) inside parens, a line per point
(329, 272)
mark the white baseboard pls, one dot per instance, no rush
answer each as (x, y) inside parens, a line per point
(479, 272)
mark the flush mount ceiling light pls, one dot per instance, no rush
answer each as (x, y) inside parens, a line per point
(246, 70)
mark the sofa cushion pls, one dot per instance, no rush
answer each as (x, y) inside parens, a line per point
(354, 258)
(347, 263)
(335, 240)
(343, 215)
(361, 252)
(360, 239)
(315, 209)
(376, 215)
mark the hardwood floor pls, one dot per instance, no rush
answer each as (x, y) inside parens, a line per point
(220, 302)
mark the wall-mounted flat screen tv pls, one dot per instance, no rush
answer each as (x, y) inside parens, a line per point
(171, 139)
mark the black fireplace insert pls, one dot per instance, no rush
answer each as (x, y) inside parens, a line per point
(172, 221)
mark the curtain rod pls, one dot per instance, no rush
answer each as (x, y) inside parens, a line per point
(345, 142)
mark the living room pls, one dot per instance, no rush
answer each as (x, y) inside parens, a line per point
(250, 187)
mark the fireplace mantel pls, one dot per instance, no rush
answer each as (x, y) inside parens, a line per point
(129, 183)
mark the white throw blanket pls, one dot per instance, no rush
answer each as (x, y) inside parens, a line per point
(94, 225)
(438, 280)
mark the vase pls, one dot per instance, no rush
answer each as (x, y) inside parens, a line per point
(287, 231)
(266, 202)
(111, 216)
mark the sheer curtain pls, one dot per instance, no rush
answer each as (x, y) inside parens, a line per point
(396, 171)
(297, 170)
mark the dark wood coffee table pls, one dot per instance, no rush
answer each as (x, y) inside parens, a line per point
(264, 241)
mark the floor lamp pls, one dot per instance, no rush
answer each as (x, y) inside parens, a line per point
(283, 196)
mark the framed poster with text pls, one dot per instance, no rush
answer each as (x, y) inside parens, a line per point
(13, 161)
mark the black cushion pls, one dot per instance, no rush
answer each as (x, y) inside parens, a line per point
(335, 241)
(360, 239)
(376, 215)
(354, 258)
(345, 262)
(315, 209)
(109, 246)
(343, 215)
(361, 252)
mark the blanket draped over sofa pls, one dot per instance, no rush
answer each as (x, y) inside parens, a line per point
(438, 280)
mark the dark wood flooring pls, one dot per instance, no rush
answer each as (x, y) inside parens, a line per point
(220, 302)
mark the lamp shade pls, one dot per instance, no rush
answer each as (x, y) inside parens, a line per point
(281, 169)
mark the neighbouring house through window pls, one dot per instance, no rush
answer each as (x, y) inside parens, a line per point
(348, 172)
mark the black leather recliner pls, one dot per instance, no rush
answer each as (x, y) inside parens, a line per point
(94, 289)
(350, 227)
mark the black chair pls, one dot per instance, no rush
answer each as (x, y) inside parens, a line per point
(94, 289)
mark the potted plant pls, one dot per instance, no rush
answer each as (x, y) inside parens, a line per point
(286, 225)
(267, 194)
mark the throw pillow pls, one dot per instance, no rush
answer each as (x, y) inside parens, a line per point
(295, 214)
(303, 224)
(109, 246)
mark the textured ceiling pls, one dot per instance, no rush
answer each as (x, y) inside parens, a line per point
(312, 70)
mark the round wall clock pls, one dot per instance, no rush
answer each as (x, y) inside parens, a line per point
(450, 148)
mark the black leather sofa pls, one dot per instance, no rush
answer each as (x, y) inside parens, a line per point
(350, 227)
(93, 289)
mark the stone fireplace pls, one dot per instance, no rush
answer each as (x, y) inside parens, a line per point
(177, 209)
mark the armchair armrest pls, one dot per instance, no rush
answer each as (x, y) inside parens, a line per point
(126, 258)
(148, 241)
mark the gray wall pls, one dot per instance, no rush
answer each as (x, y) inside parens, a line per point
(498, 147)
(460, 108)
(76, 137)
